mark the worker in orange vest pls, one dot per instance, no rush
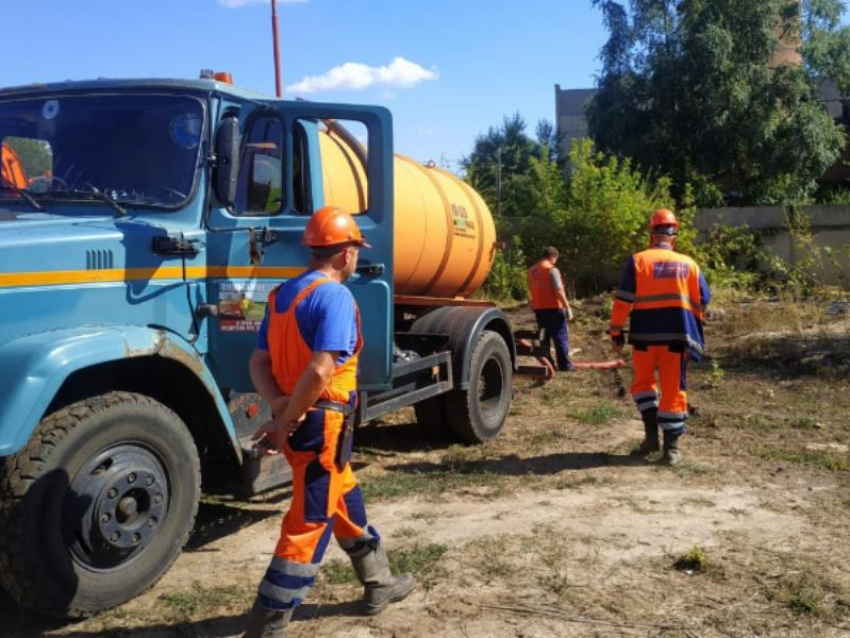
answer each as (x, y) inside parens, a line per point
(305, 367)
(551, 306)
(666, 296)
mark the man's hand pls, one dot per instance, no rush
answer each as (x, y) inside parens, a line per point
(569, 313)
(617, 343)
(272, 435)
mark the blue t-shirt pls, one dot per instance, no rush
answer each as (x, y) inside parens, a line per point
(327, 318)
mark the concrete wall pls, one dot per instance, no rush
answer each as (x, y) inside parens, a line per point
(830, 227)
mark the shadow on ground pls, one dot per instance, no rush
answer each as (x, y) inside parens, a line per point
(790, 356)
(219, 519)
(513, 465)
(400, 438)
(31, 627)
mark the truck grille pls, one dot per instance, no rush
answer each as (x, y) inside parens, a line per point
(99, 260)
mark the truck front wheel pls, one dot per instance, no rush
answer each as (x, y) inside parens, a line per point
(478, 413)
(98, 505)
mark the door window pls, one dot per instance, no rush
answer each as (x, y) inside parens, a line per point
(259, 191)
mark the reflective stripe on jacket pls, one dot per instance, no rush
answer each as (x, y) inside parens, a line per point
(543, 296)
(665, 294)
(285, 338)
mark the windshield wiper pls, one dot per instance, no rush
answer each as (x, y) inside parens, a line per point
(102, 196)
(20, 191)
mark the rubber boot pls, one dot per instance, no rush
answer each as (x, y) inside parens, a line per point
(650, 428)
(267, 623)
(672, 454)
(381, 587)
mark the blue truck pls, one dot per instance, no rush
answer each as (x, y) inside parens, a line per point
(152, 217)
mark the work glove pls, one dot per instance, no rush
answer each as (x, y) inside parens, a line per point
(618, 341)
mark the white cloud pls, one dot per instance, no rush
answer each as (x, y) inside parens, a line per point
(235, 4)
(400, 73)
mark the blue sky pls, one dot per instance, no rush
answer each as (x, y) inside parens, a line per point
(447, 69)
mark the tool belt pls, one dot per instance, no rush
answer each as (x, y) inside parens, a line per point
(335, 406)
(345, 442)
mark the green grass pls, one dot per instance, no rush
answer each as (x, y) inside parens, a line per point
(401, 484)
(546, 439)
(696, 560)
(801, 593)
(557, 583)
(811, 458)
(598, 415)
(420, 560)
(804, 423)
(406, 532)
(687, 469)
(338, 572)
(201, 600)
(495, 568)
(571, 483)
(699, 501)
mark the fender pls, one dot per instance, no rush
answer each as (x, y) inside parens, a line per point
(464, 325)
(33, 369)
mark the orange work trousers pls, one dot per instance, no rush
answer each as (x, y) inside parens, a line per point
(325, 500)
(672, 369)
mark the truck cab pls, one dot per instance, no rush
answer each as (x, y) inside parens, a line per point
(143, 225)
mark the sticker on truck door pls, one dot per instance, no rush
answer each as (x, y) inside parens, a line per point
(242, 305)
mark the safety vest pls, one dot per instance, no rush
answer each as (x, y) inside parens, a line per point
(664, 301)
(543, 296)
(290, 354)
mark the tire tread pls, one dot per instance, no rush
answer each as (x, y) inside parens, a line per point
(20, 472)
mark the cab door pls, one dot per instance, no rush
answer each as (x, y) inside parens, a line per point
(254, 242)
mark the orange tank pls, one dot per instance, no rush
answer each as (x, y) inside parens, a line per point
(445, 237)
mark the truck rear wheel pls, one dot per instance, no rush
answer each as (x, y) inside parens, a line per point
(478, 413)
(98, 505)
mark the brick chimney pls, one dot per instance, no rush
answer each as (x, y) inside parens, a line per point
(789, 30)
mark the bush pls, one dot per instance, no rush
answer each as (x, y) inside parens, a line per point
(507, 279)
(608, 206)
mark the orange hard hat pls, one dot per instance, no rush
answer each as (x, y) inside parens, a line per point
(332, 226)
(666, 219)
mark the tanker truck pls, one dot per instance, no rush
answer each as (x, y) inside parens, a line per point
(134, 271)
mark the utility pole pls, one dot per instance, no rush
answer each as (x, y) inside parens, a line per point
(499, 182)
(276, 39)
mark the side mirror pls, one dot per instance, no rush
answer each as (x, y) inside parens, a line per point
(227, 161)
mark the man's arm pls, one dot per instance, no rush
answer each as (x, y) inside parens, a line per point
(623, 302)
(558, 287)
(260, 368)
(309, 387)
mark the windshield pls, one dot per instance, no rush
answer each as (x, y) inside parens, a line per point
(131, 149)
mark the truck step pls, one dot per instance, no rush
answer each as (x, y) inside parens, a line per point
(264, 472)
(533, 335)
(525, 349)
(540, 372)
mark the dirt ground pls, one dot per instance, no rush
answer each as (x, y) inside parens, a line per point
(556, 528)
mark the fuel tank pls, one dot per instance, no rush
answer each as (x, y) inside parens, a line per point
(445, 237)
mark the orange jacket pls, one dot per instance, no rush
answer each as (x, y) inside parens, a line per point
(11, 169)
(543, 295)
(665, 295)
(285, 337)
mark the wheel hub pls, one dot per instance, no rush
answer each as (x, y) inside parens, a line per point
(115, 506)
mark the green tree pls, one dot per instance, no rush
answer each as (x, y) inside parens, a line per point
(36, 156)
(692, 89)
(505, 153)
(608, 207)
